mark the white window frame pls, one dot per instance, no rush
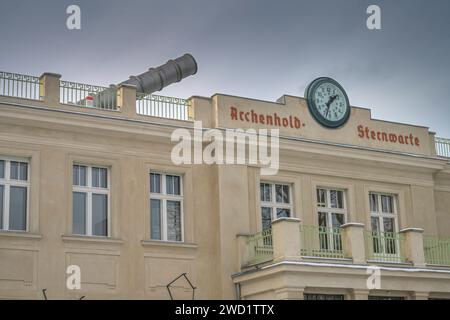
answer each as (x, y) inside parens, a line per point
(380, 215)
(7, 183)
(273, 204)
(329, 210)
(164, 197)
(89, 190)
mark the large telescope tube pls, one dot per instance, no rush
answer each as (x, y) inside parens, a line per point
(155, 79)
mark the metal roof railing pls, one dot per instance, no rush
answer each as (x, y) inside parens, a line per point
(442, 147)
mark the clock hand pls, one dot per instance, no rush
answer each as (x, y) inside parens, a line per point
(330, 101)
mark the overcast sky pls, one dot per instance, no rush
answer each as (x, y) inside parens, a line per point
(251, 48)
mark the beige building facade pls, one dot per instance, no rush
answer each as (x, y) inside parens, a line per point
(357, 212)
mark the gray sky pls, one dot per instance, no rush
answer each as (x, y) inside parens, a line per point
(251, 48)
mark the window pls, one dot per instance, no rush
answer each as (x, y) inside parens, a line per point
(314, 296)
(331, 210)
(14, 192)
(90, 200)
(386, 298)
(276, 202)
(383, 221)
(166, 207)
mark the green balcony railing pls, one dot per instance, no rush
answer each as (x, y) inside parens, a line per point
(259, 247)
(436, 250)
(384, 246)
(163, 107)
(321, 242)
(442, 147)
(19, 86)
(87, 95)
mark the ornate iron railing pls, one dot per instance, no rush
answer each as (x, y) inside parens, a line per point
(437, 250)
(163, 107)
(442, 147)
(19, 85)
(384, 246)
(321, 242)
(259, 247)
(86, 95)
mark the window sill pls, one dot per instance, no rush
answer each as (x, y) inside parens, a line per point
(20, 234)
(389, 263)
(168, 244)
(91, 239)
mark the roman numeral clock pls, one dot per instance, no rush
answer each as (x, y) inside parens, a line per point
(328, 102)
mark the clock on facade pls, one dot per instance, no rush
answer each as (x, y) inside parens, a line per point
(328, 102)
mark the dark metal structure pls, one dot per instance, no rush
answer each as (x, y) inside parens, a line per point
(155, 79)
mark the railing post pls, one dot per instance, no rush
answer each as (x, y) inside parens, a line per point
(242, 249)
(286, 239)
(413, 246)
(353, 242)
(49, 88)
(433, 143)
(126, 100)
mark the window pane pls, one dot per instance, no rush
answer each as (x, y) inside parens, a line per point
(266, 216)
(337, 219)
(1, 206)
(79, 213)
(75, 178)
(173, 221)
(82, 175)
(266, 194)
(14, 170)
(155, 216)
(375, 223)
(336, 199)
(155, 183)
(386, 204)
(19, 171)
(283, 213)
(79, 175)
(282, 193)
(373, 202)
(340, 199)
(390, 241)
(321, 198)
(169, 185)
(17, 208)
(377, 245)
(95, 177)
(388, 224)
(99, 214)
(103, 177)
(2, 169)
(323, 219)
(176, 185)
(173, 185)
(23, 171)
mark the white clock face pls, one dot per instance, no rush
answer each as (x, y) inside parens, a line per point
(330, 102)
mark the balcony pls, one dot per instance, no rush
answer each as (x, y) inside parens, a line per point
(50, 90)
(289, 240)
(437, 250)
